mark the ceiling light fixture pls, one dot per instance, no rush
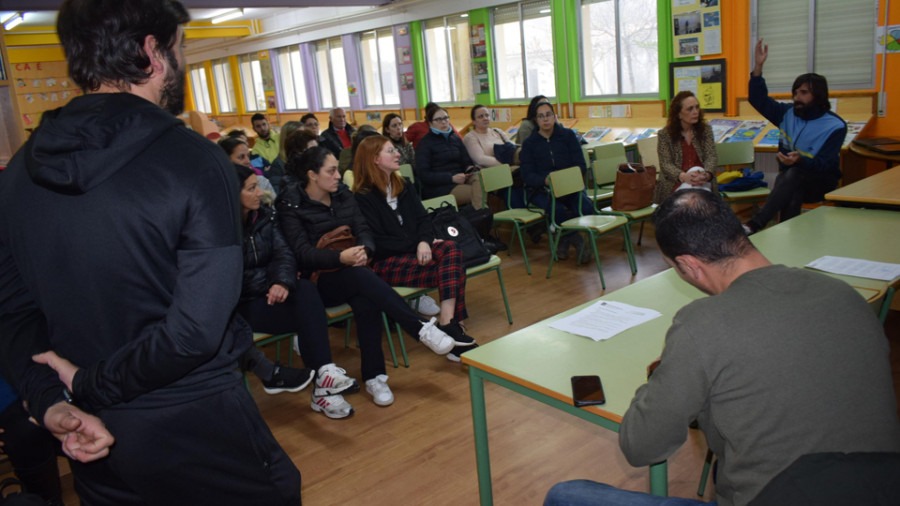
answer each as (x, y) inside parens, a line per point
(227, 16)
(13, 21)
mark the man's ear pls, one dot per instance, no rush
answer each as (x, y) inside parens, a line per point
(157, 60)
(690, 266)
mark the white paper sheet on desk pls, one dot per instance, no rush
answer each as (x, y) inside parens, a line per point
(605, 319)
(856, 267)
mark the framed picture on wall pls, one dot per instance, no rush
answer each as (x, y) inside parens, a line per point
(705, 78)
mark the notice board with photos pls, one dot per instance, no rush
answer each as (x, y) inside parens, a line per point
(696, 27)
(705, 78)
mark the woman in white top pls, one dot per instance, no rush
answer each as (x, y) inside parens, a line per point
(481, 139)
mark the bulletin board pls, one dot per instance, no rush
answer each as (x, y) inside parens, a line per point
(41, 86)
(697, 27)
(706, 78)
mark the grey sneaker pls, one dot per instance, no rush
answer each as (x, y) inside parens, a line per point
(426, 305)
(434, 338)
(333, 406)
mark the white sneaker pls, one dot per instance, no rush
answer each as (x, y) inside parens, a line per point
(436, 339)
(333, 406)
(426, 305)
(381, 393)
(332, 380)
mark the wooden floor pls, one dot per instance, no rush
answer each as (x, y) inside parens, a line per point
(420, 450)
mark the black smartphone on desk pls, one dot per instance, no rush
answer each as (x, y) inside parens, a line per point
(587, 391)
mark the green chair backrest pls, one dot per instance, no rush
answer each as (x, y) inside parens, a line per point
(735, 153)
(566, 181)
(647, 149)
(495, 178)
(406, 171)
(607, 158)
(436, 202)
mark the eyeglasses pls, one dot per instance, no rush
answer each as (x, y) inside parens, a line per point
(441, 119)
(549, 115)
(390, 151)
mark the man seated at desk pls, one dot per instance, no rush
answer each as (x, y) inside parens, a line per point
(786, 371)
(809, 149)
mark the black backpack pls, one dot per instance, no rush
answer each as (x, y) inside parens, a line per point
(450, 225)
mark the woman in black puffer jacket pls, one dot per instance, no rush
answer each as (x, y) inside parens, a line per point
(316, 204)
(274, 301)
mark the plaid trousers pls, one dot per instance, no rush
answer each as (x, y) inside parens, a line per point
(444, 271)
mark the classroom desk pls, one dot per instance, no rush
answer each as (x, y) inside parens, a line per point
(881, 190)
(538, 361)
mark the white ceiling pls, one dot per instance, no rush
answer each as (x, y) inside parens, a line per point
(48, 18)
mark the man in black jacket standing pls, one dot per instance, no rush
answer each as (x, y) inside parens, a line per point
(120, 251)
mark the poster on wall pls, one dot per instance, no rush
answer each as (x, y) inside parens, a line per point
(479, 46)
(407, 81)
(704, 78)
(696, 27)
(404, 55)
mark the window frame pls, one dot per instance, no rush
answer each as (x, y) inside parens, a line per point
(226, 99)
(454, 92)
(250, 59)
(583, 71)
(204, 98)
(330, 73)
(290, 87)
(520, 7)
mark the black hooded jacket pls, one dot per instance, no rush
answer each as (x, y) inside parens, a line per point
(120, 250)
(268, 260)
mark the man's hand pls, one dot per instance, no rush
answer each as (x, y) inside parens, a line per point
(760, 55)
(84, 437)
(277, 294)
(789, 159)
(65, 369)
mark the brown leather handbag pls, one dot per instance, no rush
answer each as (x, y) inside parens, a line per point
(634, 188)
(339, 239)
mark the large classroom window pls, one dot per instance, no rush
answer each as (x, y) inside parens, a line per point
(829, 37)
(620, 55)
(225, 96)
(448, 59)
(200, 88)
(251, 80)
(293, 86)
(332, 74)
(523, 50)
(379, 67)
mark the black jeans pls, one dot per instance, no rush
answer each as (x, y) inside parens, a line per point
(793, 187)
(369, 296)
(302, 312)
(216, 449)
(32, 453)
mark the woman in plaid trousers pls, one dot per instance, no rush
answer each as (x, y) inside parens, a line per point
(406, 252)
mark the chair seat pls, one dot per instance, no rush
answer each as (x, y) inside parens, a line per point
(637, 214)
(492, 262)
(600, 223)
(337, 311)
(755, 193)
(602, 194)
(520, 215)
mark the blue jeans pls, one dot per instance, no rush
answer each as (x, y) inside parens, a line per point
(591, 493)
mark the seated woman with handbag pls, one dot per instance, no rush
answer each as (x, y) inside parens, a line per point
(313, 207)
(554, 147)
(443, 165)
(482, 139)
(274, 301)
(406, 251)
(686, 149)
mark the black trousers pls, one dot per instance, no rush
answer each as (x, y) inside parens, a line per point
(302, 312)
(369, 296)
(793, 187)
(32, 451)
(213, 450)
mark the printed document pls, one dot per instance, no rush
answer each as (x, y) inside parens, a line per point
(605, 319)
(882, 271)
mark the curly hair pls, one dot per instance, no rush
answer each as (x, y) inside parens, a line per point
(673, 123)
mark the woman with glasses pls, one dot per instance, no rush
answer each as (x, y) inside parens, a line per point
(406, 251)
(553, 147)
(392, 128)
(443, 164)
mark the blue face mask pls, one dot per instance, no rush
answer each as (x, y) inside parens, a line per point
(445, 133)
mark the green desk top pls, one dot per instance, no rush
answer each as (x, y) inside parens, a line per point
(544, 359)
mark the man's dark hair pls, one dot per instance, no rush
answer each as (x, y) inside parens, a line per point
(308, 116)
(237, 132)
(818, 85)
(701, 224)
(297, 142)
(104, 39)
(258, 116)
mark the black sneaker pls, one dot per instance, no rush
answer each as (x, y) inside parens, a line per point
(456, 332)
(455, 353)
(288, 379)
